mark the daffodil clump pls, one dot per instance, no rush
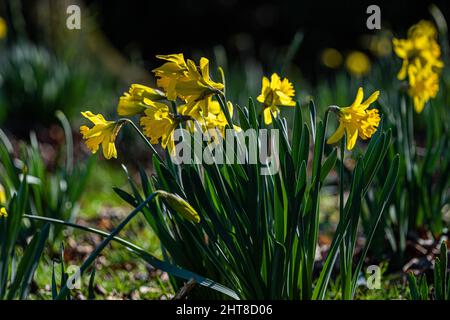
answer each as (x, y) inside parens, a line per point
(179, 80)
(187, 95)
(357, 120)
(225, 205)
(420, 54)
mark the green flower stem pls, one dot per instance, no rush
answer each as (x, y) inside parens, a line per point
(142, 136)
(341, 178)
(69, 141)
(87, 263)
(223, 103)
(344, 268)
(222, 77)
(174, 107)
(342, 247)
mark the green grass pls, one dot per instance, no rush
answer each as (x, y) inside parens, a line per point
(99, 195)
(120, 275)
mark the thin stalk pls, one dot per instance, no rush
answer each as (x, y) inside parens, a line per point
(314, 222)
(222, 77)
(142, 136)
(223, 103)
(341, 178)
(174, 107)
(69, 141)
(343, 258)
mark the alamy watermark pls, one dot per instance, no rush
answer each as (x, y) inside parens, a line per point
(234, 147)
(74, 279)
(374, 20)
(373, 281)
(73, 21)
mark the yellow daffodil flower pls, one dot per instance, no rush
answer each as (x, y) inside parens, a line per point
(137, 99)
(183, 79)
(423, 85)
(170, 72)
(179, 205)
(215, 119)
(357, 120)
(358, 63)
(104, 132)
(197, 87)
(274, 93)
(3, 212)
(421, 44)
(158, 123)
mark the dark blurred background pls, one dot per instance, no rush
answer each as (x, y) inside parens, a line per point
(249, 28)
(141, 29)
(44, 66)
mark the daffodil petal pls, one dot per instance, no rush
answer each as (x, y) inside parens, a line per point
(352, 135)
(267, 116)
(359, 97)
(337, 135)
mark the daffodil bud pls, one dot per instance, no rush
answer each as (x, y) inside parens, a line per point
(179, 205)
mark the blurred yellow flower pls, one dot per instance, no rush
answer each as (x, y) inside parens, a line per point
(3, 28)
(2, 195)
(357, 120)
(179, 205)
(3, 212)
(183, 79)
(137, 99)
(421, 44)
(274, 93)
(331, 58)
(158, 123)
(358, 63)
(423, 85)
(379, 44)
(104, 132)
